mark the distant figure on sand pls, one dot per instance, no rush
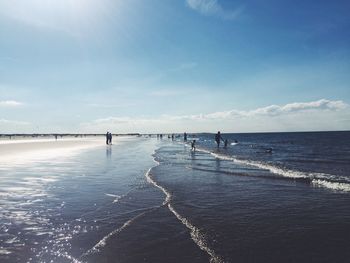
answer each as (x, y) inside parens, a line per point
(193, 145)
(185, 137)
(110, 138)
(218, 138)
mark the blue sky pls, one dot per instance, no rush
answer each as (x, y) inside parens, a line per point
(171, 66)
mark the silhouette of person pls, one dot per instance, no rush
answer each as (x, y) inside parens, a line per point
(185, 137)
(107, 137)
(193, 145)
(218, 138)
(110, 138)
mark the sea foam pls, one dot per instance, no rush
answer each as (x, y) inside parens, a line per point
(196, 234)
(333, 182)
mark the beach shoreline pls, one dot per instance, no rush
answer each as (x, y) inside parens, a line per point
(26, 150)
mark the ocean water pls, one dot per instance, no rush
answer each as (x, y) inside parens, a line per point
(149, 200)
(322, 158)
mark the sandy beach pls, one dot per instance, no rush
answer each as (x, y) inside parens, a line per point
(25, 150)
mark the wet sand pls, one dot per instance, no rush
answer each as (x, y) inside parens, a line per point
(24, 150)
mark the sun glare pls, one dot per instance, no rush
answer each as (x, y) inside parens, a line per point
(73, 16)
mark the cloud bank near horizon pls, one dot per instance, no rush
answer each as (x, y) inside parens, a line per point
(299, 116)
(10, 103)
(272, 110)
(317, 115)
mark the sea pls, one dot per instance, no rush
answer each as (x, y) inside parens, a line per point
(266, 197)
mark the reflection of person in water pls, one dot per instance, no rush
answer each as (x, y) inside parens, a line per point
(108, 152)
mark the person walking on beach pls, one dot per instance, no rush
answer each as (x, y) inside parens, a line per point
(107, 138)
(218, 138)
(110, 138)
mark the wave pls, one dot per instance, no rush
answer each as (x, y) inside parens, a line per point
(4, 251)
(333, 182)
(331, 185)
(197, 236)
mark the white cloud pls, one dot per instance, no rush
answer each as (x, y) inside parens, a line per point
(10, 103)
(213, 8)
(11, 122)
(320, 105)
(272, 110)
(300, 116)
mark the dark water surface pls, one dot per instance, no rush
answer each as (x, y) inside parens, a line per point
(239, 204)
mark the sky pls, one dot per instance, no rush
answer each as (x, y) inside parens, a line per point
(152, 66)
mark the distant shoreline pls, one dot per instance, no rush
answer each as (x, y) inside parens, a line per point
(66, 134)
(35, 135)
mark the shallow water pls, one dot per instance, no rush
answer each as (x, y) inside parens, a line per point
(108, 204)
(59, 209)
(245, 214)
(322, 158)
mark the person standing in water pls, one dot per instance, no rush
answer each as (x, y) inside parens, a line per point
(185, 137)
(218, 138)
(193, 145)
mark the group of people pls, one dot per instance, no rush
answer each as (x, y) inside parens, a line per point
(218, 139)
(170, 136)
(108, 138)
